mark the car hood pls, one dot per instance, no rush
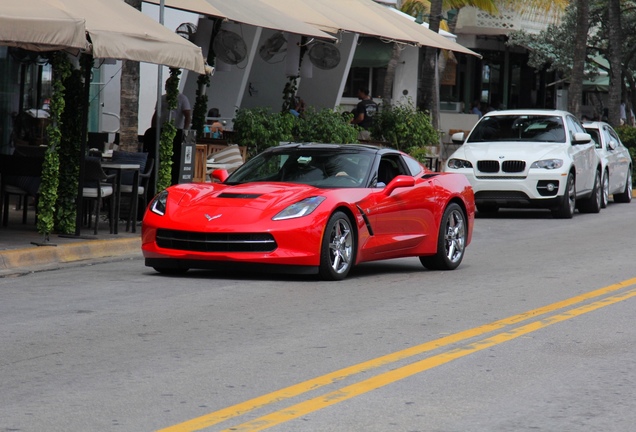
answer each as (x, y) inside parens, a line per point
(257, 196)
(512, 150)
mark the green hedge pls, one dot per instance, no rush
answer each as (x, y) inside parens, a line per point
(401, 127)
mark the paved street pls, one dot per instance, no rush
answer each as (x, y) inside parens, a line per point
(534, 331)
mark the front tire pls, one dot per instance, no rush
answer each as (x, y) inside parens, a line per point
(568, 202)
(626, 195)
(338, 247)
(451, 241)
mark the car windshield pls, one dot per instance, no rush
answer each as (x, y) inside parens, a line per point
(542, 128)
(323, 168)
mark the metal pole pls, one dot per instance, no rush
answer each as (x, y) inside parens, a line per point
(158, 112)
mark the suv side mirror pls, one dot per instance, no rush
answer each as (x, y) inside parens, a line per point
(581, 138)
(458, 138)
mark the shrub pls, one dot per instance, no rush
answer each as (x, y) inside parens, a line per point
(404, 128)
(627, 134)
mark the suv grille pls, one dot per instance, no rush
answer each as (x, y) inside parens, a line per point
(513, 166)
(488, 166)
(215, 242)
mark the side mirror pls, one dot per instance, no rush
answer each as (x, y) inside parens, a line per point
(581, 138)
(400, 181)
(458, 138)
(612, 145)
(220, 174)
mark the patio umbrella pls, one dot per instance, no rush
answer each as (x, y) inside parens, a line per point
(118, 31)
(40, 25)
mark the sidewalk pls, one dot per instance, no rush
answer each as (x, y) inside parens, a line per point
(22, 252)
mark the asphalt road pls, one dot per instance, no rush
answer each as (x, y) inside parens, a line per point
(534, 331)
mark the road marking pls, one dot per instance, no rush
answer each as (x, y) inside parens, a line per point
(386, 378)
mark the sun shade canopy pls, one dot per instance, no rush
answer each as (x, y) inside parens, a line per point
(252, 12)
(40, 25)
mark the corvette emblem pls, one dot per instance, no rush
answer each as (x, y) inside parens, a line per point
(210, 218)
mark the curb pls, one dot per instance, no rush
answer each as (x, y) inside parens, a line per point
(22, 260)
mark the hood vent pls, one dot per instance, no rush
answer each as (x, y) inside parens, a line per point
(238, 195)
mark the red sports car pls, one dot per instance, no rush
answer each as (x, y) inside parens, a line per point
(312, 209)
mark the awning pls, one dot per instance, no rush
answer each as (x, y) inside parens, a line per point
(372, 52)
(119, 31)
(40, 25)
(251, 12)
(367, 18)
(201, 7)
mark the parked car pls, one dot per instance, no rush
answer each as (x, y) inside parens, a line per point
(312, 209)
(616, 162)
(530, 158)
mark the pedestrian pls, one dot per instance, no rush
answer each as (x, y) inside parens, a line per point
(363, 113)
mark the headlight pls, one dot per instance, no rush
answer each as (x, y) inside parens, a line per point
(459, 163)
(158, 204)
(300, 209)
(548, 164)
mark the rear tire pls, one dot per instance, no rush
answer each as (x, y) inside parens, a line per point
(605, 193)
(451, 241)
(626, 195)
(594, 202)
(568, 201)
(337, 252)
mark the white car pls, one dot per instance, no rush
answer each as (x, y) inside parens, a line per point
(530, 158)
(616, 162)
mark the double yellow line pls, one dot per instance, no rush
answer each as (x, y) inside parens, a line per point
(585, 304)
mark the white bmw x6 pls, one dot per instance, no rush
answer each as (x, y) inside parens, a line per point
(530, 158)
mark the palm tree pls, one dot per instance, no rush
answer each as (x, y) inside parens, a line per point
(430, 88)
(615, 52)
(129, 102)
(575, 92)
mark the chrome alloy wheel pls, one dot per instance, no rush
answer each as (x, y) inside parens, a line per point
(455, 235)
(341, 246)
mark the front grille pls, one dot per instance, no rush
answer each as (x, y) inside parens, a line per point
(215, 242)
(512, 166)
(500, 196)
(488, 166)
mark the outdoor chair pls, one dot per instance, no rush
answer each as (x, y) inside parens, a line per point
(97, 186)
(142, 193)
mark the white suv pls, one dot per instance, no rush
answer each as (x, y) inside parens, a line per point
(530, 158)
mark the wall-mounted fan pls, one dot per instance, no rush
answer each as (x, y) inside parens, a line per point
(229, 47)
(324, 55)
(272, 46)
(187, 31)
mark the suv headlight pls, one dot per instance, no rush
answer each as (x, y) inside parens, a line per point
(300, 209)
(158, 204)
(459, 164)
(548, 164)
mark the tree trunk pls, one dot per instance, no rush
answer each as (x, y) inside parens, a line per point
(430, 85)
(129, 100)
(575, 93)
(615, 45)
(389, 78)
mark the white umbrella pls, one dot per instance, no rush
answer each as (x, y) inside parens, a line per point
(40, 25)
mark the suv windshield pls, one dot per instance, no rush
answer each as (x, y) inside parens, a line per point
(542, 128)
(324, 168)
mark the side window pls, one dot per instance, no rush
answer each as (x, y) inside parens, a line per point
(388, 169)
(610, 134)
(574, 126)
(414, 166)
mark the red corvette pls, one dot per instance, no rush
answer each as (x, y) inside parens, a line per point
(312, 209)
